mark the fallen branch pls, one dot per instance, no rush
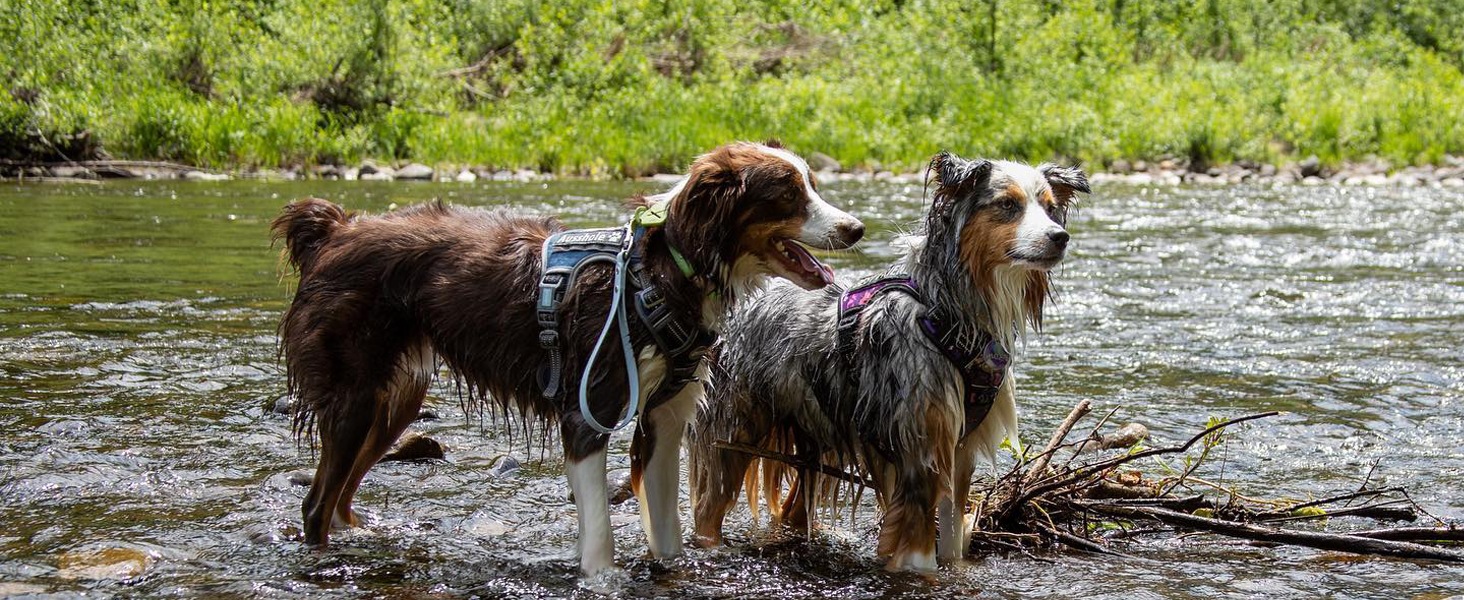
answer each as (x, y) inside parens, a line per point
(794, 462)
(1352, 543)
(1039, 466)
(1086, 472)
(1414, 534)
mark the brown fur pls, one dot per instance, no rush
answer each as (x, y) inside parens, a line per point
(382, 298)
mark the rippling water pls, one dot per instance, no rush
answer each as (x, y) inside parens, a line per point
(140, 454)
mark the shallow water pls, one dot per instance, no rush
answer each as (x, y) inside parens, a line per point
(139, 371)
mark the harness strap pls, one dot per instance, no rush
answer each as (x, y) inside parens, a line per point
(982, 366)
(682, 341)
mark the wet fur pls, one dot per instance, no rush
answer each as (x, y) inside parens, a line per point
(779, 383)
(382, 299)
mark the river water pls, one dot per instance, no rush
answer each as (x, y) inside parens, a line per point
(140, 454)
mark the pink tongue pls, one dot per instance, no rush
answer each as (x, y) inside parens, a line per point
(809, 263)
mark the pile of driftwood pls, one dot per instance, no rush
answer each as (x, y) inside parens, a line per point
(1093, 503)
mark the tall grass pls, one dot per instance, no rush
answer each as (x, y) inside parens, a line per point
(608, 88)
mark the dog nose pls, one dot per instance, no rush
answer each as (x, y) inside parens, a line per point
(851, 232)
(1059, 236)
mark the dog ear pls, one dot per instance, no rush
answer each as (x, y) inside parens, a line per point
(954, 173)
(1066, 182)
(701, 212)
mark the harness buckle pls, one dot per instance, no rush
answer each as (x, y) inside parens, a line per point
(549, 338)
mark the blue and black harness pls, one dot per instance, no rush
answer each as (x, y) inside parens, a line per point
(982, 365)
(681, 339)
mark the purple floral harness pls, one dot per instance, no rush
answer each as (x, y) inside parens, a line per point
(982, 365)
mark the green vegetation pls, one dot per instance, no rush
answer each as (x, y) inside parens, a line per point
(600, 87)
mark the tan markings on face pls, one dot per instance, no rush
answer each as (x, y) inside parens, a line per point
(1015, 192)
(1046, 198)
(985, 244)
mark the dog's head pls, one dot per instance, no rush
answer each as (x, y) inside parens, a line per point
(1003, 223)
(746, 211)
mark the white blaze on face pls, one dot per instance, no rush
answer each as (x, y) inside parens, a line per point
(1033, 233)
(822, 229)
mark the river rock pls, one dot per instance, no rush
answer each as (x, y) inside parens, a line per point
(104, 563)
(503, 466)
(1452, 182)
(1311, 167)
(284, 405)
(620, 489)
(1120, 166)
(416, 446)
(302, 478)
(378, 173)
(204, 176)
(617, 484)
(70, 172)
(466, 176)
(427, 415)
(823, 163)
(415, 172)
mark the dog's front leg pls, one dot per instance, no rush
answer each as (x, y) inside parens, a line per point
(656, 469)
(584, 462)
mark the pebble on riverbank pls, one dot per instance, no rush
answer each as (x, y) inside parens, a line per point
(1165, 171)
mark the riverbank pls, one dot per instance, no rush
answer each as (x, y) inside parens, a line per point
(1166, 172)
(596, 89)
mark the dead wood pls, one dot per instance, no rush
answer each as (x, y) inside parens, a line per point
(1352, 543)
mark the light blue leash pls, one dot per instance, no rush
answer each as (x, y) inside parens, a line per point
(617, 314)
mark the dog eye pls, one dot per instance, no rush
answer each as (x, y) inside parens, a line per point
(1009, 205)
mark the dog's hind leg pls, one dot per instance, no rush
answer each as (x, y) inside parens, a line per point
(717, 474)
(955, 530)
(798, 507)
(342, 438)
(655, 469)
(396, 408)
(907, 532)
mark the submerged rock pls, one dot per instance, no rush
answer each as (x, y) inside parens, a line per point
(416, 446)
(104, 563)
(302, 478)
(284, 405)
(504, 465)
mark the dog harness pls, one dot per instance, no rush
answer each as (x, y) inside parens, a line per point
(680, 339)
(982, 365)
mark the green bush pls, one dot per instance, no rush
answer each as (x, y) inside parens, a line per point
(607, 88)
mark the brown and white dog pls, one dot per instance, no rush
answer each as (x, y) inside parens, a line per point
(905, 380)
(383, 298)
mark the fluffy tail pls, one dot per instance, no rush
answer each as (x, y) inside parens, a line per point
(305, 225)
